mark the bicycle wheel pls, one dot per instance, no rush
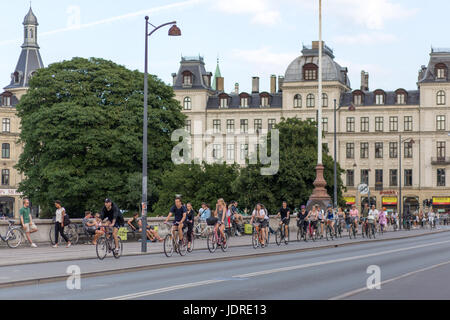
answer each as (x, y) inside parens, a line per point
(182, 248)
(14, 237)
(224, 245)
(299, 234)
(72, 234)
(101, 248)
(118, 252)
(51, 235)
(211, 242)
(278, 236)
(168, 245)
(255, 240)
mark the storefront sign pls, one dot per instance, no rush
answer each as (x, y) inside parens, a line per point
(9, 192)
(441, 201)
(389, 200)
(350, 200)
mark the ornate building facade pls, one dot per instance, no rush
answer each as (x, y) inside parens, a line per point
(377, 131)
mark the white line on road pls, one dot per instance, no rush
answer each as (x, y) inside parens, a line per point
(352, 293)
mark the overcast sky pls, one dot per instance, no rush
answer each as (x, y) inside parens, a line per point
(390, 39)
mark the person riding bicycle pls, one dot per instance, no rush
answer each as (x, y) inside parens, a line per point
(364, 214)
(330, 217)
(371, 219)
(259, 215)
(220, 213)
(374, 212)
(236, 218)
(382, 219)
(313, 217)
(340, 216)
(111, 212)
(179, 212)
(354, 217)
(285, 214)
(302, 222)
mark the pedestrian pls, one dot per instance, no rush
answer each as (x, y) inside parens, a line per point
(190, 215)
(59, 224)
(27, 221)
(382, 219)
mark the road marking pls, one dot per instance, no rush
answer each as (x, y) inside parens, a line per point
(163, 290)
(265, 272)
(352, 293)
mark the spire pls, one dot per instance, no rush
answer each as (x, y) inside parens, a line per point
(30, 24)
(216, 75)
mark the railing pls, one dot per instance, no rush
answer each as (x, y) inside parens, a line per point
(440, 160)
(192, 58)
(440, 50)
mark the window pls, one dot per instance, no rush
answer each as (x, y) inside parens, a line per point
(5, 177)
(364, 150)
(350, 150)
(271, 124)
(408, 123)
(230, 151)
(408, 178)
(350, 124)
(440, 123)
(244, 151)
(379, 124)
(379, 98)
(440, 150)
(440, 97)
(244, 125)
(378, 179)
(187, 105)
(187, 78)
(310, 71)
(6, 125)
(230, 126)
(401, 98)
(408, 150)
(393, 177)
(6, 100)
(217, 150)
(258, 125)
(364, 124)
(223, 102)
(357, 98)
(365, 176)
(379, 150)
(393, 123)
(393, 150)
(297, 101)
(244, 102)
(350, 178)
(310, 103)
(187, 126)
(5, 151)
(441, 177)
(441, 71)
(325, 124)
(265, 101)
(216, 126)
(324, 100)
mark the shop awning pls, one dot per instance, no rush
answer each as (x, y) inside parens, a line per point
(389, 200)
(350, 200)
(441, 200)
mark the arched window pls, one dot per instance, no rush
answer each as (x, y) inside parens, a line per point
(324, 100)
(244, 100)
(441, 71)
(358, 98)
(380, 97)
(223, 100)
(187, 78)
(265, 99)
(310, 71)
(187, 103)
(401, 96)
(310, 103)
(297, 101)
(440, 97)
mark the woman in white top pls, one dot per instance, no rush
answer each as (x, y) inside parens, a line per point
(259, 214)
(59, 224)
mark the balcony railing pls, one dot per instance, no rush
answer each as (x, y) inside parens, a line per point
(440, 160)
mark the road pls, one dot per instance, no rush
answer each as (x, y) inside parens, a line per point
(413, 268)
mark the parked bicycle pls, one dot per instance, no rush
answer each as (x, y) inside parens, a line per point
(106, 244)
(71, 232)
(201, 230)
(14, 235)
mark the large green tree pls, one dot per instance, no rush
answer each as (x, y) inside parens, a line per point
(82, 134)
(294, 180)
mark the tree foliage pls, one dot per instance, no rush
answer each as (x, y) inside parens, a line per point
(82, 133)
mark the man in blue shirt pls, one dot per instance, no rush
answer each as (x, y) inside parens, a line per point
(204, 213)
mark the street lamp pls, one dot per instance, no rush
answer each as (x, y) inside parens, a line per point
(173, 31)
(400, 200)
(335, 156)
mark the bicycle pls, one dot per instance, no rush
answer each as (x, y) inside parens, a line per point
(14, 235)
(352, 229)
(280, 234)
(364, 228)
(329, 231)
(257, 236)
(216, 239)
(313, 235)
(172, 244)
(372, 230)
(302, 230)
(338, 227)
(70, 231)
(106, 244)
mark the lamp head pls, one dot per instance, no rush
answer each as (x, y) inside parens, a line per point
(174, 31)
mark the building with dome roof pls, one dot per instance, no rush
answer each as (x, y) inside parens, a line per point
(369, 124)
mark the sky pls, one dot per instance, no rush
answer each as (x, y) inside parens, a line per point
(390, 39)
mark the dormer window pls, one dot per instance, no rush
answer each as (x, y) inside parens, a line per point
(223, 101)
(441, 71)
(244, 100)
(358, 98)
(265, 99)
(310, 71)
(379, 97)
(6, 99)
(400, 96)
(187, 78)
(16, 77)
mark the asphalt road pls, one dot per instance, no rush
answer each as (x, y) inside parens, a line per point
(414, 268)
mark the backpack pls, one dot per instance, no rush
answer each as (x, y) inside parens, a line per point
(66, 219)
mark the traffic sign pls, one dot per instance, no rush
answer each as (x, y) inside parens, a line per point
(363, 188)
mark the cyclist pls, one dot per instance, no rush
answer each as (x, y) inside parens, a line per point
(313, 217)
(285, 214)
(236, 218)
(382, 219)
(364, 214)
(302, 222)
(371, 219)
(354, 217)
(321, 217)
(220, 213)
(259, 214)
(111, 212)
(179, 211)
(340, 217)
(330, 217)
(374, 211)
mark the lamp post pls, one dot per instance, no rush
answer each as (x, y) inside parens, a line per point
(400, 200)
(173, 31)
(335, 156)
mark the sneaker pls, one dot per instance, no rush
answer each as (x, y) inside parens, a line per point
(55, 246)
(68, 245)
(33, 245)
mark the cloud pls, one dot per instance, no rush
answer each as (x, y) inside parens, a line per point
(260, 10)
(265, 59)
(374, 38)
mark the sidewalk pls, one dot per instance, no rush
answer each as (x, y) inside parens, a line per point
(45, 253)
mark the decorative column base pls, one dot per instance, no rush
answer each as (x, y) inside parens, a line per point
(319, 195)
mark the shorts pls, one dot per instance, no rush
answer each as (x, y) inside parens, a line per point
(264, 223)
(176, 223)
(286, 221)
(91, 231)
(28, 226)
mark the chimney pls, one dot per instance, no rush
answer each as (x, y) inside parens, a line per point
(280, 83)
(236, 88)
(422, 71)
(220, 84)
(174, 77)
(255, 85)
(364, 81)
(273, 84)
